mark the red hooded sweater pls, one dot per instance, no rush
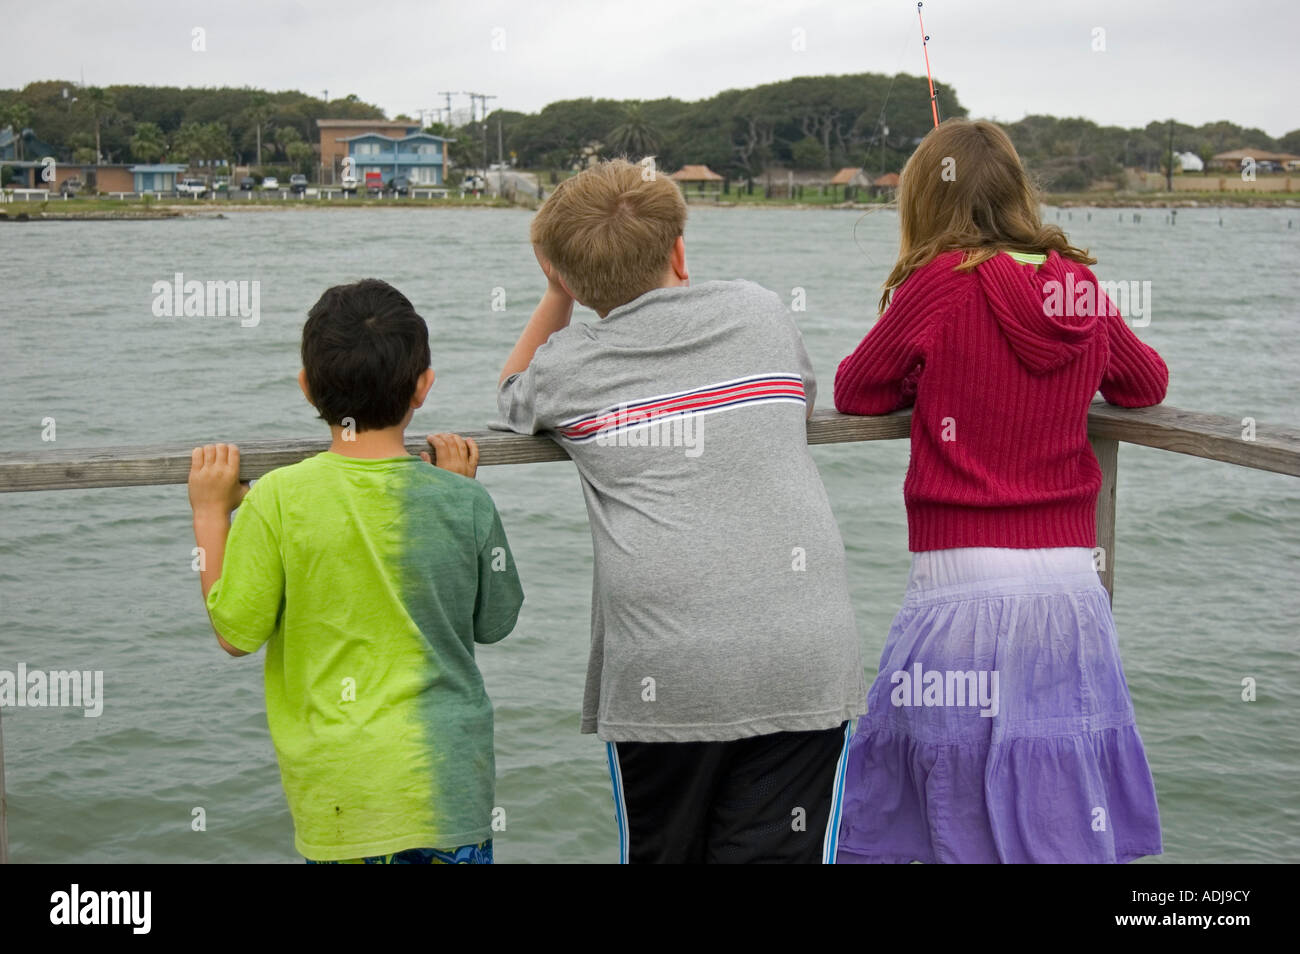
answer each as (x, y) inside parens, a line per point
(1001, 383)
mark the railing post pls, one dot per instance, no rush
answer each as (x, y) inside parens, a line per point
(1107, 451)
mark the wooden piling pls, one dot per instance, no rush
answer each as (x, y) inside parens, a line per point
(1107, 451)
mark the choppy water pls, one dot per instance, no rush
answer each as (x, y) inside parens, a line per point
(1206, 590)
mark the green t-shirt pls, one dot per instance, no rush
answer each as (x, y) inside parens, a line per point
(1027, 258)
(370, 581)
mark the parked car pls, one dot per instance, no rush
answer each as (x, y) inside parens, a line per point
(470, 183)
(399, 185)
(196, 188)
(221, 184)
(374, 183)
(350, 184)
(270, 182)
(297, 183)
(247, 184)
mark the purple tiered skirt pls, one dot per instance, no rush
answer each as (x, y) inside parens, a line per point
(1052, 772)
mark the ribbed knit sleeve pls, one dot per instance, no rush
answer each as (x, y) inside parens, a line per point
(1135, 375)
(881, 374)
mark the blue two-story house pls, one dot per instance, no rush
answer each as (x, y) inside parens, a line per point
(420, 156)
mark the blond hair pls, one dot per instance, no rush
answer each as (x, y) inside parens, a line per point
(965, 188)
(610, 231)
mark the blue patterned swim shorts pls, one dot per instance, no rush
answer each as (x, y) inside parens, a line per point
(480, 854)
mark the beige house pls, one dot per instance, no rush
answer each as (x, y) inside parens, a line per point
(1233, 157)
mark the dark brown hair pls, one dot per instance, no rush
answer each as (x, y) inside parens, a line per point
(364, 349)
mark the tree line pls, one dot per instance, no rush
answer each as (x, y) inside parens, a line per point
(869, 121)
(172, 124)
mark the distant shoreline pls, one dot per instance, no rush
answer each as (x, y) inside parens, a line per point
(75, 210)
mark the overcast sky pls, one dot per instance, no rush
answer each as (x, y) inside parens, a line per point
(1193, 60)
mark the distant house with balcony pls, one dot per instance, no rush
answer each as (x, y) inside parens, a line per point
(419, 156)
(390, 148)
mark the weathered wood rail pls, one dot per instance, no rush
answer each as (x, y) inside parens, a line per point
(1184, 432)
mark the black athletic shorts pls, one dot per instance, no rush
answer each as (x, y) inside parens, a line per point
(766, 799)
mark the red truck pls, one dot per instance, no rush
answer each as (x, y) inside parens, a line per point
(374, 183)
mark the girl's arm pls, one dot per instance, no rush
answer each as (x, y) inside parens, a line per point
(1135, 375)
(881, 374)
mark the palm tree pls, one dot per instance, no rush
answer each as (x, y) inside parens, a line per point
(634, 136)
(19, 116)
(188, 143)
(101, 104)
(148, 144)
(259, 112)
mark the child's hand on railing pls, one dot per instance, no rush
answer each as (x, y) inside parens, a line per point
(452, 452)
(214, 479)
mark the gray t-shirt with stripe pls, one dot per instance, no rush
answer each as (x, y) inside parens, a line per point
(720, 604)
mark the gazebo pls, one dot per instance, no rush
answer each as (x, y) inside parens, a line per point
(850, 179)
(707, 181)
(886, 185)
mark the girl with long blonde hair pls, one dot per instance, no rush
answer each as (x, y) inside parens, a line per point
(1000, 727)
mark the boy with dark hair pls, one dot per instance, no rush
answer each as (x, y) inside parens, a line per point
(724, 662)
(369, 576)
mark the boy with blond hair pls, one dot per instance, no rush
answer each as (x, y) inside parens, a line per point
(725, 666)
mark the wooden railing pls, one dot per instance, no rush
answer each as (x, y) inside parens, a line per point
(1213, 437)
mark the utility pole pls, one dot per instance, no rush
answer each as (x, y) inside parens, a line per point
(1169, 160)
(448, 94)
(482, 99)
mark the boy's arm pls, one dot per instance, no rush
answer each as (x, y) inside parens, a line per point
(806, 372)
(499, 595)
(215, 491)
(552, 313)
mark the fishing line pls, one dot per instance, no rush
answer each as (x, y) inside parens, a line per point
(925, 47)
(879, 128)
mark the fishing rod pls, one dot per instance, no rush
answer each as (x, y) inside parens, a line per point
(925, 46)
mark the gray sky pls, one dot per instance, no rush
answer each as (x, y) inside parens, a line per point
(1193, 60)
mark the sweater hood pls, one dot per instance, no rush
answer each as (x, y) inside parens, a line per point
(1035, 309)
